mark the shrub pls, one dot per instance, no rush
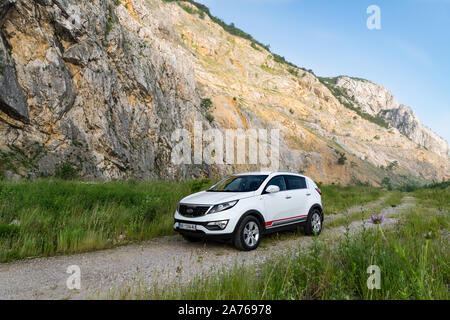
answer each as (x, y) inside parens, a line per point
(109, 22)
(293, 71)
(209, 117)
(206, 103)
(342, 158)
(255, 46)
(199, 185)
(188, 9)
(393, 165)
(66, 171)
(386, 182)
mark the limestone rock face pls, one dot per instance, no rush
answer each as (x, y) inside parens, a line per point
(12, 99)
(378, 101)
(106, 86)
(406, 121)
(371, 97)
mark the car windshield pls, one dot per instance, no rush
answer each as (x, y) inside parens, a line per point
(239, 184)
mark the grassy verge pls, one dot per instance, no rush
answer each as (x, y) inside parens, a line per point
(412, 257)
(337, 199)
(434, 196)
(50, 217)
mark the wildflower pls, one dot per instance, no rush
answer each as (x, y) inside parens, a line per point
(379, 219)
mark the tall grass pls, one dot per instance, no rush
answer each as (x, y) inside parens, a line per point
(392, 199)
(337, 199)
(49, 217)
(434, 196)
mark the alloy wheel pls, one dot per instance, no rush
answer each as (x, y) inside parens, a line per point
(251, 233)
(316, 223)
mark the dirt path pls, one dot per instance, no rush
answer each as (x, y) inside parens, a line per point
(157, 261)
(367, 207)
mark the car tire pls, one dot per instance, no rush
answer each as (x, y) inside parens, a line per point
(314, 222)
(247, 234)
(191, 239)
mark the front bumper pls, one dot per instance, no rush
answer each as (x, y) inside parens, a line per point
(201, 222)
(202, 232)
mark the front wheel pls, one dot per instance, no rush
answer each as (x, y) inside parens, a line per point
(313, 224)
(247, 234)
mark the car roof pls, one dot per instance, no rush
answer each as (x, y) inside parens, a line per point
(273, 173)
(253, 173)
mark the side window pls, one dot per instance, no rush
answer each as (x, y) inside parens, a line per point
(294, 182)
(277, 181)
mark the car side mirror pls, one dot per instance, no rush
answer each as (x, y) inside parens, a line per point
(272, 189)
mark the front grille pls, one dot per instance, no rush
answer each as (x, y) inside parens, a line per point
(192, 210)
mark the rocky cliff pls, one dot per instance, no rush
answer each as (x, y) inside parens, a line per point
(378, 101)
(102, 85)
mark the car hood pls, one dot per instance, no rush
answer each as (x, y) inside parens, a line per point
(208, 197)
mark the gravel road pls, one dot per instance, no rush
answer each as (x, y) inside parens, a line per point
(159, 261)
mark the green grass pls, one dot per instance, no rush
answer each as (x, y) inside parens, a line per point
(393, 199)
(63, 217)
(413, 259)
(434, 196)
(337, 199)
(60, 217)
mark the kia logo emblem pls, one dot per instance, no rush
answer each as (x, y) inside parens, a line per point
(190, 210)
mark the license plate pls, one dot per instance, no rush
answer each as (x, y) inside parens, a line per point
(187, 226)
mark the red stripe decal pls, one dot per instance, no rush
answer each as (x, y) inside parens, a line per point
(269, 223)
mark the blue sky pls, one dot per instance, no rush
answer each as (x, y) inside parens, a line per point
(410, 55)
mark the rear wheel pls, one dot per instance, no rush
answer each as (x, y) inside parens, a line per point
(313, 224)
(247, 234)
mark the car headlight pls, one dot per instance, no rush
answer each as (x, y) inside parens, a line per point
(223, 206)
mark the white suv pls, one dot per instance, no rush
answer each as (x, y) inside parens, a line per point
(245, 206)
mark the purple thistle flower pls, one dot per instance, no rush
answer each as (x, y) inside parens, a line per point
(379, 219)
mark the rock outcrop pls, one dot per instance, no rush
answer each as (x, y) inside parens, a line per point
(378, 101)
(405, 120)
(104, 85)
(369, 96)
(12, 98)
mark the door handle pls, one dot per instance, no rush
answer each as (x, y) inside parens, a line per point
(308, 194)
(288, 197)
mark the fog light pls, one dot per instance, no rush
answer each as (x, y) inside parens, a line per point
(217, 225)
